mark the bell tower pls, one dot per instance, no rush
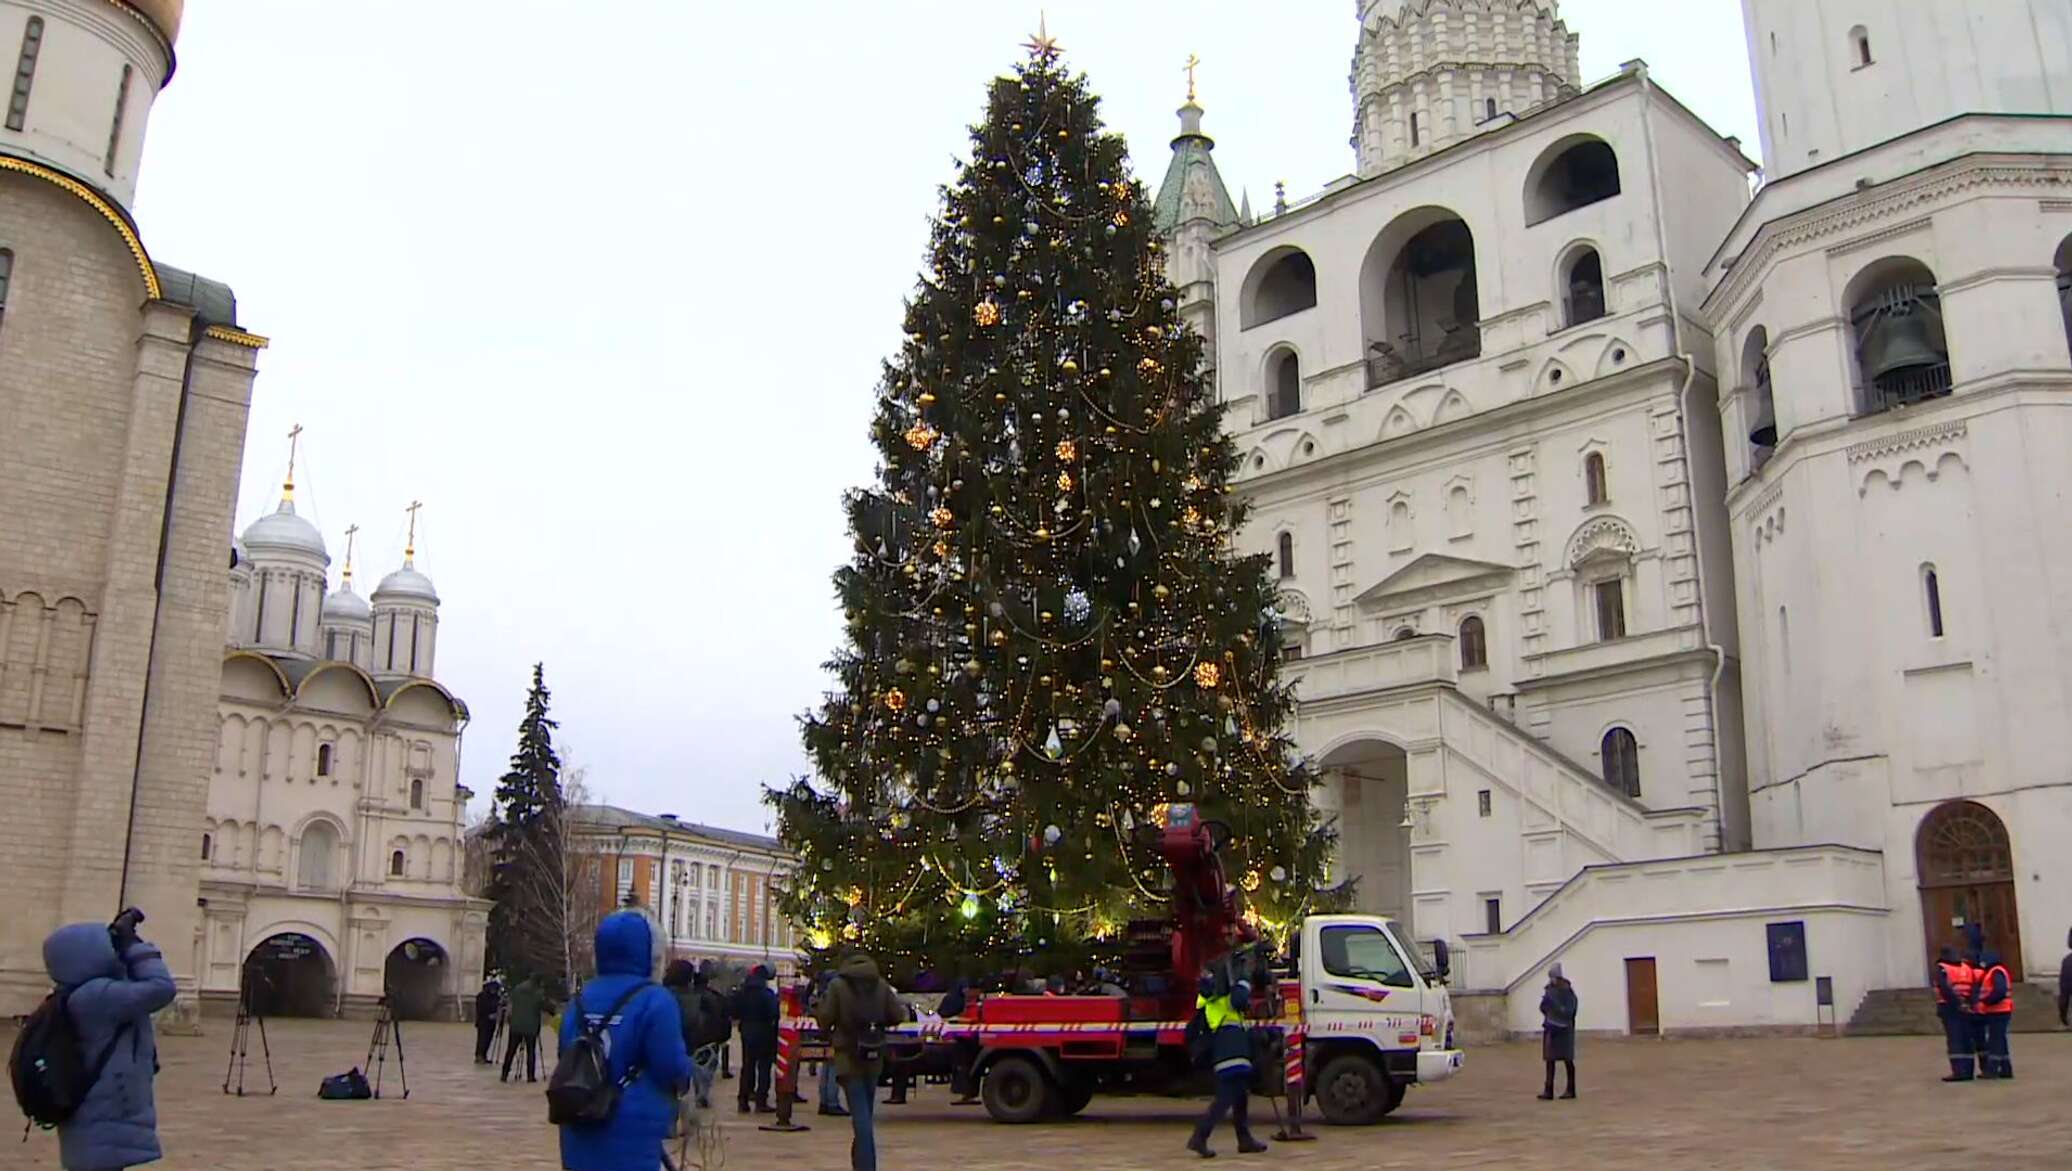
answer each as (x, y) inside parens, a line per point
(1426, 75)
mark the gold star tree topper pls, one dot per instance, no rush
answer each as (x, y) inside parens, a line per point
(1041, 43)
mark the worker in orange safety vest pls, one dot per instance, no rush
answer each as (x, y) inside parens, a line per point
(1995, 993)
(1955, 983)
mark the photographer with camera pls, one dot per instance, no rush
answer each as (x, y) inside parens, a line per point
(109, 982)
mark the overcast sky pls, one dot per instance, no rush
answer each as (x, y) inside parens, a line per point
(607, 285)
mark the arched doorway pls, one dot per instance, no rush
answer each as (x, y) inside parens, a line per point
(1966, 870)
(1370, 781)
(414, 979)
(290, 974)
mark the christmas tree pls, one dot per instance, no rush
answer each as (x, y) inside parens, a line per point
(1049, 638)
(529, 882)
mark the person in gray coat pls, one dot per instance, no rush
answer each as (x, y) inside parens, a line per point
(112, 983)
(1558, 1030)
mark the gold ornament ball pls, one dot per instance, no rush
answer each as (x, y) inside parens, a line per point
(1158, 672)
(1070, 367)
(999, 638)
(1161, 592)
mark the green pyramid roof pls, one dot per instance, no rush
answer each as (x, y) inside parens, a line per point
(1193, 164)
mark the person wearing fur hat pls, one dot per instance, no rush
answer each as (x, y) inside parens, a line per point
(1558, 1031)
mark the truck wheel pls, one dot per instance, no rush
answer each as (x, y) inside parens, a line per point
(1016, 1090)
(1075, 1095)
(1352, 1091)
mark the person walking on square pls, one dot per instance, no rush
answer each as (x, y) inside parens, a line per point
(528, 1013)
(756, 1010)
(644, 1050)
(857, 1009)
(1954, 982)
(681, 980)
(488, 1003)
(2065, 984)
(1995, 1013)
(1558, 1005)
(111, 982)
(1230, 1057)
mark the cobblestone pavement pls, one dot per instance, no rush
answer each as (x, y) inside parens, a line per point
(1717, 1105)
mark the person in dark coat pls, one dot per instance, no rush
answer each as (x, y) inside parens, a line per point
(717, 1028)
(859, 1002)
(528, 1016)
(756, 1011)
(681, 981)
(112, 982)
(2065, 984)
(488, 1003)
(644, 1038)
(1558, 1007)
(1230, 1057)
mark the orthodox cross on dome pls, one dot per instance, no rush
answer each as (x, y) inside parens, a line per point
(288, 485)
(1041, 45)
(1193, 63)
(410, 542)
(346, 580)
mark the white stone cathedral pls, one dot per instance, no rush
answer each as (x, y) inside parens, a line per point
(1675, 552)
(331, 869)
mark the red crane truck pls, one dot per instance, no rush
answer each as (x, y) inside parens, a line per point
(1355, 1013)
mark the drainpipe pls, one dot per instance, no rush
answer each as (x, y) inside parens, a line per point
(195, 332)
(1683, 429)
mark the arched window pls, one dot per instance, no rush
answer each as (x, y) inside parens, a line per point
(25, 74)
(1420, 303)
(1902, 355)
(6, 276)
(1621, 761)
(1595, 489)
(325, 753)
(1415, 127)
(1281, 283)
(416, 793)
(1285, 547)
(1860, 46)
(1405, 633)
(319, 856)
(396, 864)
(1488, 109)
(1284, 396)
(1573, 173)
(1474, 648)
(2064, 263)
(1931, 597)
(208, 847)
(1582, 295)
(1762, 401)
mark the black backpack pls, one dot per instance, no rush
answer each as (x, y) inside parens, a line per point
(581, 1091)
(48, 1065)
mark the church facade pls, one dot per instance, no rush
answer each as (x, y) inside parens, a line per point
(1512, 438)
(332, 846)
(124, 383)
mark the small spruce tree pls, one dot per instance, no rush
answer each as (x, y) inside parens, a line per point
(529, 875)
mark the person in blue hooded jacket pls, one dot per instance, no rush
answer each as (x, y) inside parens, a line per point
(646, 1035)
(112, 983)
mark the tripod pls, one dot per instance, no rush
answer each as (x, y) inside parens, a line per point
(386, 1026)
(240, 1043)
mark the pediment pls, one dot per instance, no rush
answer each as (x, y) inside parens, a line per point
(1435, 577)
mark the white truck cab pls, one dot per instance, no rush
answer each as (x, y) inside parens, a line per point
(1376, 1016)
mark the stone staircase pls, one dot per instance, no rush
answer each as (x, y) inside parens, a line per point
(1893, 1012)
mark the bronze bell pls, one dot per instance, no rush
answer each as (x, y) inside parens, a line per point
(1901, 335)
(1763, 433)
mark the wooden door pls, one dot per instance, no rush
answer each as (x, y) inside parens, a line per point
(1946, 910)
(1643, 1005)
